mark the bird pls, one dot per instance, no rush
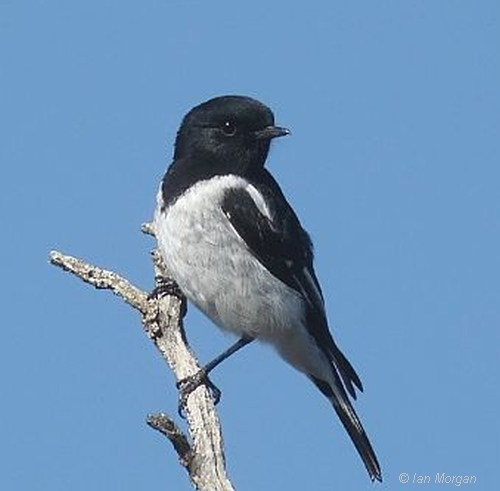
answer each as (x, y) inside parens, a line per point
(238, 252)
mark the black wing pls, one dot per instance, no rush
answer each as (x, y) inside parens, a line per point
(276, 238)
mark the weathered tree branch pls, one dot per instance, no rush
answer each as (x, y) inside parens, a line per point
(202, 454)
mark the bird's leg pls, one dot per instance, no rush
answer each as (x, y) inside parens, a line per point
(167, 286)
(188, 384)
(242, 342)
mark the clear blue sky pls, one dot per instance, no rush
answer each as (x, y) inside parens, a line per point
(393, 165)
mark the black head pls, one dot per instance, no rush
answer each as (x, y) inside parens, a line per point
(229, 134)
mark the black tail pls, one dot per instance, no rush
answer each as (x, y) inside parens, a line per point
(346, 370)
(340, 402)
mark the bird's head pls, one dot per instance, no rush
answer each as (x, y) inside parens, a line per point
(229, 133)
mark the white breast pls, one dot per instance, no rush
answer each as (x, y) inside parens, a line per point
(214, 268)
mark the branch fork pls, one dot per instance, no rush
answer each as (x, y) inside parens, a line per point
(200, 450)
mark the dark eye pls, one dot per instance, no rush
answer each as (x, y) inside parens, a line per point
(229, 128)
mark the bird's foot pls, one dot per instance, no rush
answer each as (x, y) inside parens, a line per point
(166, 286)
(189, 384)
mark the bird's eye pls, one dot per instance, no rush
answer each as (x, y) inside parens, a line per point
(229, 128)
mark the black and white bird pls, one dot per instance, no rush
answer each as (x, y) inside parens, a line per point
(238, 252)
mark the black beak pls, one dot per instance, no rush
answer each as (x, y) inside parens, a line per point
(271, 132)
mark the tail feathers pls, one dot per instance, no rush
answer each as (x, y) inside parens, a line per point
(352, 424)
(346, 371)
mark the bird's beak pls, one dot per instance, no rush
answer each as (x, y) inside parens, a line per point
(271, 132)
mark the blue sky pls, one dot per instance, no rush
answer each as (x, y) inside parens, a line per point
(392, 165)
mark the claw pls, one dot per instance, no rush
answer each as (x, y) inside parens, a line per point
(189, 384)
(166, 286)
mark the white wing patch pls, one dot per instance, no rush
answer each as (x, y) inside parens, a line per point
(259, 201)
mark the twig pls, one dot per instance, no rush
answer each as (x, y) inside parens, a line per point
(167, 427)
(102, 279)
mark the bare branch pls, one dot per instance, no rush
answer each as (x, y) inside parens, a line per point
(162, 321)
(166, 426)
(147, 228)
(102, 279)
